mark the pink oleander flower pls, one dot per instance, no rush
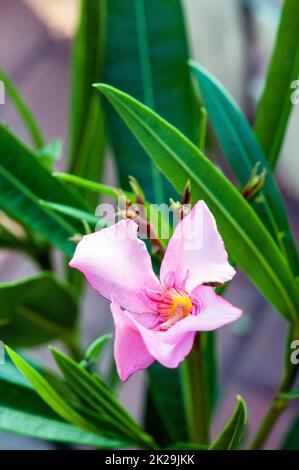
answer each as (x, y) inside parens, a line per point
(158, 319)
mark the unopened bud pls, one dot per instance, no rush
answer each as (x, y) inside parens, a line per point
(255, 184)
(136, 188)
(75, 238)
(179, 209)
(186, 196)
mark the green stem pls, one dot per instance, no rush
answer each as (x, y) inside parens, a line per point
(24, 111)
(277, 407)
(195, 388)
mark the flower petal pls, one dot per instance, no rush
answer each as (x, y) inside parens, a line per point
(170, 349)
(143, 344)
(115, 262)
(196, 249)
(130, 351)
(215, 310)
(137, 344)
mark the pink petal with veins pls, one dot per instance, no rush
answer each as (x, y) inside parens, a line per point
(196, 250)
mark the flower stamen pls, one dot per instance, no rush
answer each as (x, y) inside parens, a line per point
(173, 306)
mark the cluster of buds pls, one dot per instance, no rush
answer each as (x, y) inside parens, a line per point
(137, 211)
(134, 207)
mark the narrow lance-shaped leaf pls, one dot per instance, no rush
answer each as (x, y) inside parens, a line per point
(99, 398)
(24, 165)
(243, 153)
(246, 238)
(94, 351)
(24, 111)
(48, 393)
(36, 309)
(147, 40)
(73, 212)
(50, 153)
(24, 180)
(23, 412)
(230, 436)
(87, 141)
(169, 405)
(275, 105)
(84, 183)
(147, 81)
(22, 205)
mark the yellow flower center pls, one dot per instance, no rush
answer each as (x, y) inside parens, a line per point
(174, 306)
(181, 305)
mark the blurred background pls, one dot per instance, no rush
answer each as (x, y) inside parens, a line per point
(233, 39)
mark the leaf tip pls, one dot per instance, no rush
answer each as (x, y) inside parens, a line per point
(7, 349)
(241, 402)
(192, 64)
(102, 87)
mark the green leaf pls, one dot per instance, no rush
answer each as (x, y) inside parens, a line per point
(72, 212)
(187, 446)
(291, 441)
(9, 240)
(147, 40)
(22, 205)
(108, 428)
(153, 423)
(248, 242)
(275, 105)
(50, 153)
(24, 180)
(48, 393)
(243, 153)
(229, 438)
(169, 405)
(99, 399)
(12, 237)
(84, 183)
(87, 141)
(203, 129)
(35, 310)
(159, 220)
(24, 111)
(94, 351)
(23, 412)
(22, 163)
(293, 394)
